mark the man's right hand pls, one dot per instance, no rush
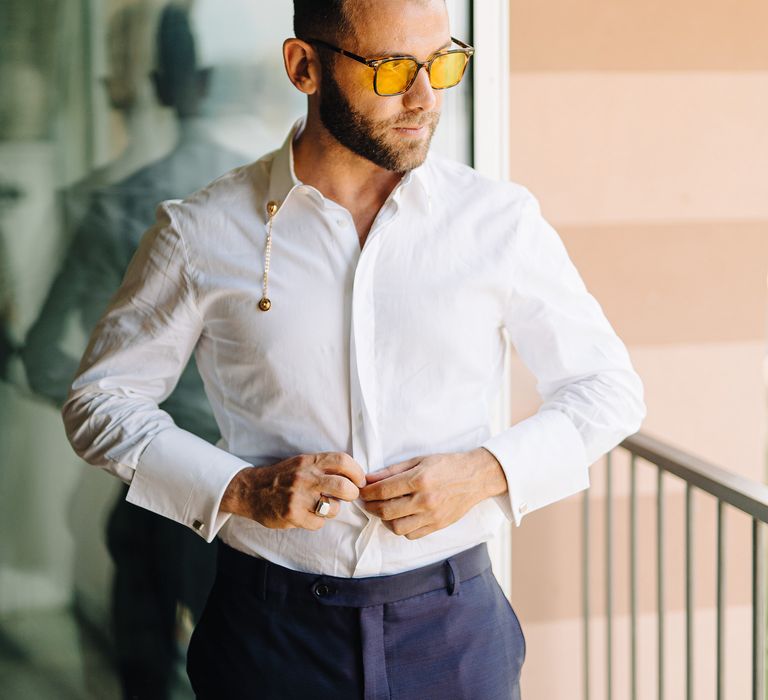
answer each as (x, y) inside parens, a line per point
(284, 495)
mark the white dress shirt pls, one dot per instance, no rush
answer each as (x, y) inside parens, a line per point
(386, 353)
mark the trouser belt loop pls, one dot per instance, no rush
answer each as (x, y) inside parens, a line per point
(262, 587)
(454, 577)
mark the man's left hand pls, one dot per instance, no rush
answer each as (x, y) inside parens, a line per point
(425, 494)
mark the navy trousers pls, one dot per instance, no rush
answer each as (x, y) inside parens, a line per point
(441, 632)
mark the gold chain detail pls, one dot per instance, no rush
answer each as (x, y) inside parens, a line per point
(264, 303)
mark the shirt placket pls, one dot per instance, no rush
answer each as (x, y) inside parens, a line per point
(367, 445)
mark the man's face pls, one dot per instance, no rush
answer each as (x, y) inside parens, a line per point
(392, 132)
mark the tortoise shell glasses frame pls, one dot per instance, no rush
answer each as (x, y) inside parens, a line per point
(394, 75)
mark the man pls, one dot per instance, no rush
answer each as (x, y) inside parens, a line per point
(345, 298)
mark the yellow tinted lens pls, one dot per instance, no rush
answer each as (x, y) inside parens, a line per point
(393, 76)
(447, 69)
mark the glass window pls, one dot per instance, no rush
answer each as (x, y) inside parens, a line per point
(107, 108)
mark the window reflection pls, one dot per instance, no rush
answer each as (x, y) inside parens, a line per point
(107, 108)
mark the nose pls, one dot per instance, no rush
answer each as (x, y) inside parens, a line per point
(421, 94)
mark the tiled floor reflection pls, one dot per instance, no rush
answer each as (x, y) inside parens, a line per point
(50, 656)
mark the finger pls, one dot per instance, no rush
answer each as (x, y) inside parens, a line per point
(309, 520)
(393, 508)
(421, 532)
(313, 522)
(408, 524)
(392, 487)
(392, 470)
(338, 487)
(341, 463)
(304, 516)
(332, 513)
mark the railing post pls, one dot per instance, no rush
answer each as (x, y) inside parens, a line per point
(609, 575)
(720, 658)
(689, 603)
(633, 576)
(660, 578)
(758, 610)
(585, 585)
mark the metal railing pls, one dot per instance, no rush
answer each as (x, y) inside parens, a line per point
(729, 490)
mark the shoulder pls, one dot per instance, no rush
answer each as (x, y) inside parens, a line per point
(454, 184)
(231, 202)
(495, 210)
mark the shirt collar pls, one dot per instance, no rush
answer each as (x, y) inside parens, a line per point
(283, 180)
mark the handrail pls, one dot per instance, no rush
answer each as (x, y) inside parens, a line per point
(745, 494)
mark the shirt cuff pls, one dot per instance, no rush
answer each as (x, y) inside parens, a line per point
(183, 477)
(544, 460)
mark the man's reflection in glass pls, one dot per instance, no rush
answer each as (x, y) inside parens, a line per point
(161, 567)
(8, 195)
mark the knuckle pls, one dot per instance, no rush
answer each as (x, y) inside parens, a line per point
(333, 459)
(431, 500)
(305, 479)
(340, 486)
(343, 488)
(293, 489)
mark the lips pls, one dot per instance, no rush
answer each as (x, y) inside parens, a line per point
(410, 129)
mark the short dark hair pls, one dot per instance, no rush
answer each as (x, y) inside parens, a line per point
(323, 19)
(320, 19)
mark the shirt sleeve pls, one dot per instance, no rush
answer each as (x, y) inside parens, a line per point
(133, 361)
(592, 396)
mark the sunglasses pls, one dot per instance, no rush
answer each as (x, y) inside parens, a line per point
(394, 75)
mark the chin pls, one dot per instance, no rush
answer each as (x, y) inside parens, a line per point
(409, 158)
(414, 159)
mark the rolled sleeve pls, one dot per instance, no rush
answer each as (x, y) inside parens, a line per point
(135, 356)
(592, 396)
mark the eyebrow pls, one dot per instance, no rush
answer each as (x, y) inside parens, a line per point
(389, 54)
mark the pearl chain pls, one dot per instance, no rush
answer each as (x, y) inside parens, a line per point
(264, 303)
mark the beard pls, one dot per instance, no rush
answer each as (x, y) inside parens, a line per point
(371, 139)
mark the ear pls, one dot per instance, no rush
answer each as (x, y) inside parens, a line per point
(302, 65)
(162, 90)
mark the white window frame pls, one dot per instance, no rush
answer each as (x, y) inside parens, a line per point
(490, 38)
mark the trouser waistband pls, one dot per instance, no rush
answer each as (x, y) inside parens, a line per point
(268, 579)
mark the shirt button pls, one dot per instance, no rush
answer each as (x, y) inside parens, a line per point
(523, 508)
(342, 222)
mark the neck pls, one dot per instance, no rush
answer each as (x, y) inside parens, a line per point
(341, 175)
(150, 133)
